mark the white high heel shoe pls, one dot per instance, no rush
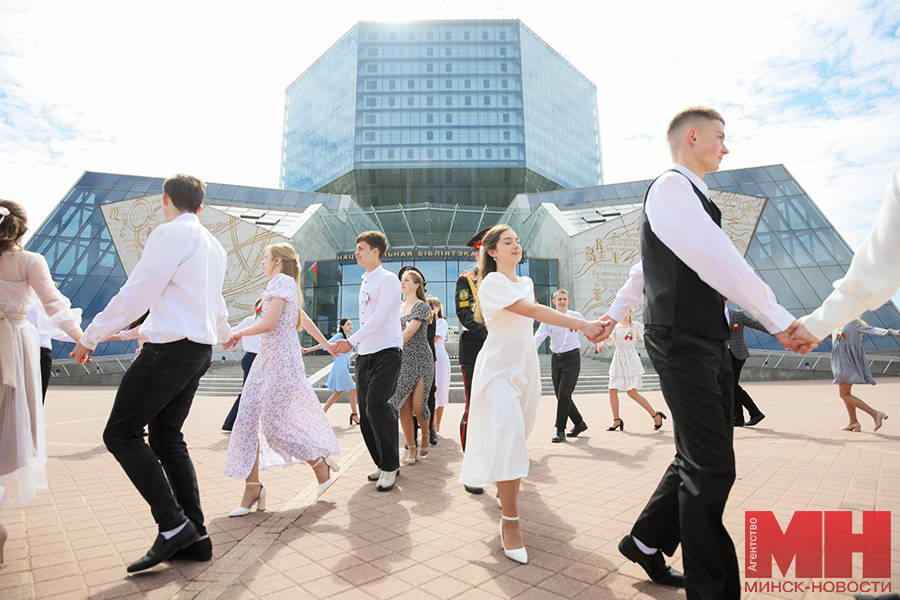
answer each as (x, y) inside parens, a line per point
(520, 555)
(260, 503)
(333, 466)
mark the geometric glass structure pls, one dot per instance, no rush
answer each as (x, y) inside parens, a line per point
(450, 113)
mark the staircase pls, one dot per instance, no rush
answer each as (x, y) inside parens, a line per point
(225, 379)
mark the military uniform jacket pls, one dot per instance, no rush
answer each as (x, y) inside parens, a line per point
(472, 339)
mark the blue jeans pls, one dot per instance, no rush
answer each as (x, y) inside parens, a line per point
(157, 392)
(246, 363)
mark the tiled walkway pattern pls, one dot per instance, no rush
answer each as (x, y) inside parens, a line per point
(428, 538)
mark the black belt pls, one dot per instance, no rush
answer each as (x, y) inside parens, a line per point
(566, 352)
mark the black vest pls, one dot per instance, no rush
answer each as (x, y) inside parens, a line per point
(675, 295)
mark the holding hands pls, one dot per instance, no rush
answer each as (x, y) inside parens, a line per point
(342, 347)
(797, 339)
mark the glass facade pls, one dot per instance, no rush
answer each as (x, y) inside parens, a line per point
(79, 250)
(439, 116)
(334, 294)
(795, 249)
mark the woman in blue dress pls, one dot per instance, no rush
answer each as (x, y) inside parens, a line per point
(339, 380)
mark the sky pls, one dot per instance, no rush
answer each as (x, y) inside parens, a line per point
(198, 87)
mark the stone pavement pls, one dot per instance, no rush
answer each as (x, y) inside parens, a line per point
(428, 538)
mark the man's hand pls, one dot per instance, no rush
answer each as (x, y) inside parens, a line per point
(342, 347)
(330, 348)
(796, 340)
(608, 326)
(81, 354)
(231, 343)
(592, 330)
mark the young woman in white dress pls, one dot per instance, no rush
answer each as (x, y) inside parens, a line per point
(24, 280)
(441, 362)
(506, 385)
(626, 369)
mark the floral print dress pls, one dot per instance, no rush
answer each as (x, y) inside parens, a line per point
(279, 411)
(418, 361)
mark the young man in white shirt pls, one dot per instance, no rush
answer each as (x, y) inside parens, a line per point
(688, 264)
(565, 366)
(179, 279)
(380, 349)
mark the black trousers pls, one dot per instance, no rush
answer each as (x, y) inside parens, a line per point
(564, 371)
(376, 382)
(741, 398)
(157, 392)
(246, 363)
(468, 370)
(46, 365)
(688, 504)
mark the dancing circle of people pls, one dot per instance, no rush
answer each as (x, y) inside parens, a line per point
(172, 304)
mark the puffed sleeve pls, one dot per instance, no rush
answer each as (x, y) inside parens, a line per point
(283, 287)
(497, 292)
(420, 312)
(442, 328)
(60, 316)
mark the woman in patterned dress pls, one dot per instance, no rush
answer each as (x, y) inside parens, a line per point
(417, 368)
(626, 369)
(280, 420)
(850, 366)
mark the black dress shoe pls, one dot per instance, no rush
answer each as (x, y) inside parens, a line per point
(226, 426)
(473, 489)
(753, 420)
(200, 551)
(653, 564)
(559, 437)
(433, 438)
(581, 427)
(163, 548)
(738, 423)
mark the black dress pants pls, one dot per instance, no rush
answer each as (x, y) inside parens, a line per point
(376, 382)
(46, 365)
(246, 364)
(157, 392)
(741, 397)
(468, 371)
(564, 371)
(688, 504)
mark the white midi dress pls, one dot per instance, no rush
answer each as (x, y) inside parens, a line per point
(506, 387)
(25, 280)
(441, 365)
(625, 369)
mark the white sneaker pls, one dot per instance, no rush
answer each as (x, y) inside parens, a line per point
(387, 480)
(374, 475)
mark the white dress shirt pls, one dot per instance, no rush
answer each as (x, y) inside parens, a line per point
(179, 279)
(250, 342)
(681, 223)
(874, 274)
(562, 339)
(379, 313)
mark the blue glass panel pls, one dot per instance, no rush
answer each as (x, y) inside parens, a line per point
(69, 288)
(96, 197)
(774, 249)
(275, 197)
(809, 212)
(783, 291)
(53, 250)
(107, 181)
(114, 196)
(77, 195)
(306, 199)
(432, 270)
(889, 316)
(752, 190)
(592, 194)
(639, 188)
(723, 179)
(576, 196)
(156, 187)
(742, 176)
(608, 193)
(778, 173)
(77, 221)
(103, 292)
(795, 249)
(125, 182)
(759, 174)
(291, 199)
(817, 279)
(772, 219)
(808, 298)
(771, 190)
(212, 190)
(93, 226)
(89, 257)
(835, 245)
(259, 196)
(107, 263)
(88, 180)
(622, 190)
(815, 247)
(834, 272)
(553, 276)
(243, 194)
(142, 184)
(70, 256)
(227, 192)
(38, 243)
(57, 219)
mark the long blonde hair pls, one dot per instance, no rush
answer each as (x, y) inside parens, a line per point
(486, 263)
(420, 287)
(290, 266)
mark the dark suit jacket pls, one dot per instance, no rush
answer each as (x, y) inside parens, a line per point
(739, 319)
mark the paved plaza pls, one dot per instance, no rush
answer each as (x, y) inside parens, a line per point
(428, 538)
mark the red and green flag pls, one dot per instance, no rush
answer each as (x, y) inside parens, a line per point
(314, 272)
